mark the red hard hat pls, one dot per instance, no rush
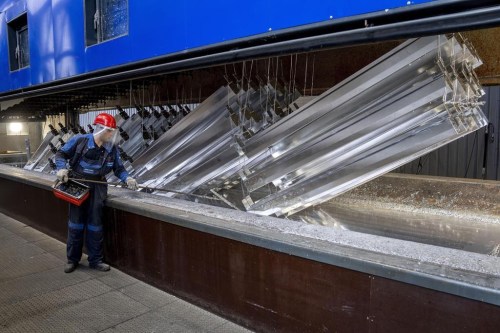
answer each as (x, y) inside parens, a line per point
(105, 120)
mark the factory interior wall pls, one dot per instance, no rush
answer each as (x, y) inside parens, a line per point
(52, 120)
(17, 142)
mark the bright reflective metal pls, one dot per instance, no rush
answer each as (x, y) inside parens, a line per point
(43, 164)
(360, 134)
(416, 98)
(447, 231)
(263, 150)
(50, 138)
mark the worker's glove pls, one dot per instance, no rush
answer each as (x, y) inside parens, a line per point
(63, 175)
(132, 184)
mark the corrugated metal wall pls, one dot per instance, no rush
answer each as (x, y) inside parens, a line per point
(88, 118)
(474, 156)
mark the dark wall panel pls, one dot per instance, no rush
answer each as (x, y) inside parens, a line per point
(395, 304)
(476, 155)
(35, 207)
(256, 287)
(493, 160)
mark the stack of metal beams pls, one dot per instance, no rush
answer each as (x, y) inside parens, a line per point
(263, 149)
(205, 147)
(43, 158)
(139, 131)
(419, 97)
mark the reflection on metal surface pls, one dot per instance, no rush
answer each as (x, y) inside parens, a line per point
(415, 99)
(203, 150)
(445, 231)
(447, 212)
(496, 251)
(50, 138)
(42, 159)
(257, 147)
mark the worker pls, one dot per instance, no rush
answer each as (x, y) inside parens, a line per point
(90, 156)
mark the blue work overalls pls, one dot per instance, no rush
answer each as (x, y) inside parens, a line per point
(88, 161)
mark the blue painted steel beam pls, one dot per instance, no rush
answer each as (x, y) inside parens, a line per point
(156, 28)
(164, 32)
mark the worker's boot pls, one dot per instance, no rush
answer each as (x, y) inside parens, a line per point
(100, 266)
(70, 267)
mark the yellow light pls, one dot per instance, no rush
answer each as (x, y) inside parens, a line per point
(15, 127)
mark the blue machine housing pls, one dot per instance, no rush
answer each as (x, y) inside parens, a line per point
(156, 28)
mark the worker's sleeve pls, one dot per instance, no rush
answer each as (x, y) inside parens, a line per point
(118, 167)
(66, 152)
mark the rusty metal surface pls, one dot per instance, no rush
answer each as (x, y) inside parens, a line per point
(394, 305)
(35, 207)
(261, 289)
(273, 292)
(486, 43)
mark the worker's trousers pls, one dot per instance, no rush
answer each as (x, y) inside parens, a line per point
(87, 218)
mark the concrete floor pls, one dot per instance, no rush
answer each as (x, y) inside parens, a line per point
(37, 296)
